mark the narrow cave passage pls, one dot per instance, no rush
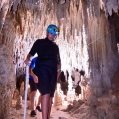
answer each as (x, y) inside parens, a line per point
(89, 49)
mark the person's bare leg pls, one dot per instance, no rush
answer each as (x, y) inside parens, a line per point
(45, 105)
(38, 107)
(50, 106)
(39, 100)
(33, 94)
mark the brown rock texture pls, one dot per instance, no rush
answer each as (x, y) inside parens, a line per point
(88, 40)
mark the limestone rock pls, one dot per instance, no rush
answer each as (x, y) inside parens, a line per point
(88, 33)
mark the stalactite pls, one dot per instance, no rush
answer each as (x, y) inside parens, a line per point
(3, 12)
(112, 5)
(84, 33)
(15, 5)
(77, 4)
(62, 5)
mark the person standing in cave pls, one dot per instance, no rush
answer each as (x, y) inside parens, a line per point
(33, 87)
(63, 82)
(47, 67)
(77, 77)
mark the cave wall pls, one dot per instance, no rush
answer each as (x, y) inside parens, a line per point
(86, 41)
(104, 53)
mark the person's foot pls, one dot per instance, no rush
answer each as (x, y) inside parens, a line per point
(38, 108)
(33, 113)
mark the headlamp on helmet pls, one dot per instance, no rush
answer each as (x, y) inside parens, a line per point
(53, 29)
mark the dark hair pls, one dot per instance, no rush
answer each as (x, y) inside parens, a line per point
(82, 72)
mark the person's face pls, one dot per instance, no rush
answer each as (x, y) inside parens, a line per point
(51, 37)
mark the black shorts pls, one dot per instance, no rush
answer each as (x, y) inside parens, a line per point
(47, 80)
(33, 85)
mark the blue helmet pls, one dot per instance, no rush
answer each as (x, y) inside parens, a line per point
(53, 29)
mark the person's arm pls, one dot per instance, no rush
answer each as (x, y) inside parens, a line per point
(58, 64)
(28, 59)
(58, 71)
(58, 60)
(32, 52)
(35, 78)
(31, 67)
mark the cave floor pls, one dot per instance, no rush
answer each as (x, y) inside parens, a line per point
(56, 113)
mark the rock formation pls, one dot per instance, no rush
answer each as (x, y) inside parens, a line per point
(88, 39)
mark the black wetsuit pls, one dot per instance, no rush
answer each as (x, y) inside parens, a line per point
(46, 65)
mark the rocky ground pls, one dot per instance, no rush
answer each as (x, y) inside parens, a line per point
(106, 107)
(57, 113)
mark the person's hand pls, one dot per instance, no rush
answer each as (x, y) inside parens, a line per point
(35, 78)
(27, 62)
(28, 59)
